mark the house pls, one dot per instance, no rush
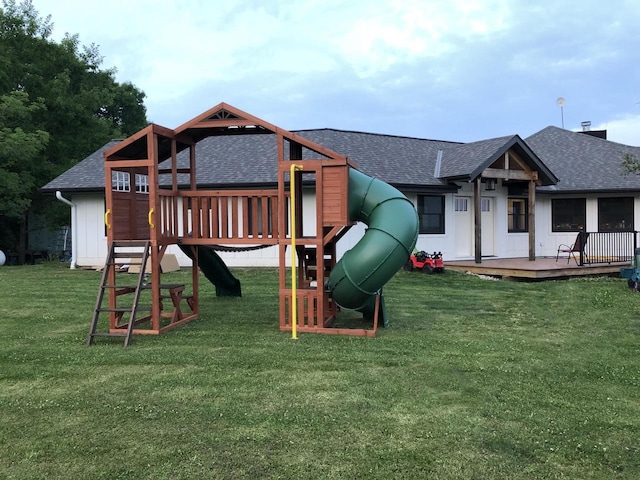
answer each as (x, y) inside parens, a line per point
(594, 193)
(504, 197)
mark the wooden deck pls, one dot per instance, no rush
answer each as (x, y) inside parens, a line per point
(539, 269)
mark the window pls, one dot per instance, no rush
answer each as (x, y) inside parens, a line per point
(431, 213)
(120, 181)
(615, 214)
(568, 214)
(518, 215)
(142, 183)
(461, 204)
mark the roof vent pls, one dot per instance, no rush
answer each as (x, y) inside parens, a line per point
(586, 125)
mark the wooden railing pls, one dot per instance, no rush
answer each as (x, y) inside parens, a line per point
(168, 218)
(224, 216)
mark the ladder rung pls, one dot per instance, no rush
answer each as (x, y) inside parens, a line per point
(123, 261)
(124, 309)
(125, 291)
(109, 334)
(129, 243)
(128, 254)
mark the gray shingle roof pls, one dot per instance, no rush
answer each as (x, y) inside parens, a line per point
(582, 162)
(464, 159)
(88, 175)
(236, 160)
(396, 160)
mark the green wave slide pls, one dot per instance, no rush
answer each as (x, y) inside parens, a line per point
(216, 271)
(385, 247)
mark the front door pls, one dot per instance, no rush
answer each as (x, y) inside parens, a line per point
(464, 226)
(487, 207)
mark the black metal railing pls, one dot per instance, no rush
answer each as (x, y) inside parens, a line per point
(607, 247)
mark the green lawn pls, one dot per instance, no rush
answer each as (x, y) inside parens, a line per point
(474, 379)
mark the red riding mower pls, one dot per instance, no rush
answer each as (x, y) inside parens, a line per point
(426, 263)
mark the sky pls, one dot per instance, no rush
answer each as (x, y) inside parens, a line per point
(447, 70)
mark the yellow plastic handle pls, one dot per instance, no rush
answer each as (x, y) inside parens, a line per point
(294, 275)
(106, 218)
(151, 218)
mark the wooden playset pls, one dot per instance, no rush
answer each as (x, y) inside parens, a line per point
(153, 201)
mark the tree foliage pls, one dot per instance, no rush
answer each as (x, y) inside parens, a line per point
(21, 146)
(57, 106)
(630, 164)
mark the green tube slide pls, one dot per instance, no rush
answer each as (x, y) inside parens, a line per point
(385, 247)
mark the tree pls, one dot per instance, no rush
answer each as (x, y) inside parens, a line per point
(21, 145)
(58, 105)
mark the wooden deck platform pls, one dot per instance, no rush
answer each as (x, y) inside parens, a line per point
(539, 269)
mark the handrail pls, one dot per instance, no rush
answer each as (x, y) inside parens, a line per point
(106, 218)
(608, 247)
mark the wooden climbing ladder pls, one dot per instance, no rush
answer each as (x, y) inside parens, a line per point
(121, 253)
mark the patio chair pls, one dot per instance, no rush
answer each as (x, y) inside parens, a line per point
(578, 247)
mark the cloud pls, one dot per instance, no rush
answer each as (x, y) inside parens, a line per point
(624, 129)
(448, 69)
(401, 33)
(160, 45)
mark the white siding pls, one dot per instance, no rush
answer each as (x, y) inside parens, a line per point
(90, 233)
(505, 245)
(92, 244)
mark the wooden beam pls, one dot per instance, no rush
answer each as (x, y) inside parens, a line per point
(509, 174)
(192, 167)
(174, 165)
(477, 219)
(164, 171)
(226, 123)
(128, 141)
(119, 164)
(521, 163)
(532, 220)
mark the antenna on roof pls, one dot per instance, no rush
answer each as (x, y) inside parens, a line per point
(560, 102)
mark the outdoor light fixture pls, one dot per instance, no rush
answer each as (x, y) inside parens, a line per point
(490, 184)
